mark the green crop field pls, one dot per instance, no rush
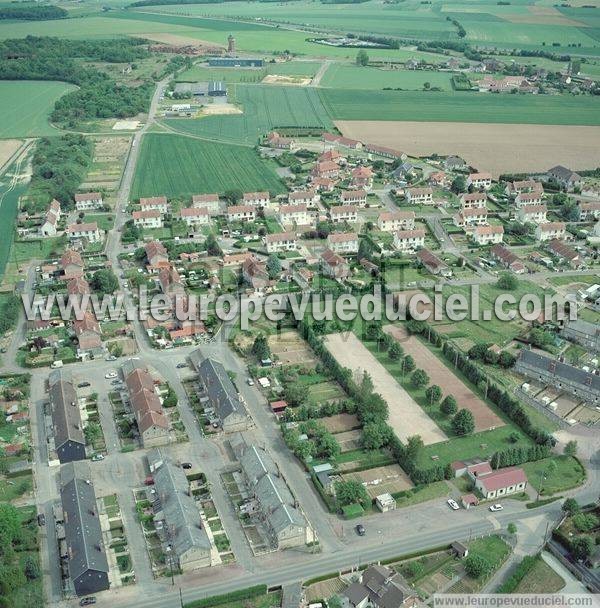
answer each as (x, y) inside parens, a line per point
(264, 108)
(181, 166)
(348, 76)
(289, 68)
(460, 107)
(26, 105)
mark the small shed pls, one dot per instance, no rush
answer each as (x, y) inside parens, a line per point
(385, 502)
(469, 500)
(459, 550)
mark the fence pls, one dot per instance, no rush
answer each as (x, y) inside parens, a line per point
(541, 408)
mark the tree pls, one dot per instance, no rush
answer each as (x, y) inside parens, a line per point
(375, 435)
(295, 394)
(31, 568)
(463, 422)
(582, 547)
(234, 195)
(212, 245)
(511, 528)
(362, 58)
(105, 281)
(396, 351)
(38, 343)
(507, 282)
(477, 565)
(419, 379)
(273, 266)
(571, 448)
(408, 364)
(92, 432)
(506, 359)
(433, 394)
(459, 184)
(349, 492)
(260, 348)
(116, 349)
(570, 506)
(170, 399)
(449, 405)
(327, 446)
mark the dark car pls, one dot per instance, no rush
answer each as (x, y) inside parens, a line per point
(84, 384)
(87, 601)
(41, 519)
(360, 530)
(186, 465)
(181, 365)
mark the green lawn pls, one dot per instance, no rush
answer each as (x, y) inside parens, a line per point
(105, 221)
(181, 166)
(438, 489)
(569, 473)
(26, 105)
(492, 548)
(589, 279)
(540, 579)
(40, 249)
(241, 75)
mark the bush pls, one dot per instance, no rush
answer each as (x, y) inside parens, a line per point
(477, 566)
(226, 598)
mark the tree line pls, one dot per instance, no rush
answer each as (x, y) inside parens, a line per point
(33, 13)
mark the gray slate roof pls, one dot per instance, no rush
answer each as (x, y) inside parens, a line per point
(220, 389)
(584, 327)
(66, 417)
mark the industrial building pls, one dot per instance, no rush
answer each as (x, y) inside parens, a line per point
(235, 62)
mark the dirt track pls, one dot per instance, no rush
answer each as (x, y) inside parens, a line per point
(498, 148)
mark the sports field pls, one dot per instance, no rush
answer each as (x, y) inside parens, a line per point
(253, 75)
(26, 105)
(182, 166)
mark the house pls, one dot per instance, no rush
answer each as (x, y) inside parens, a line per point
(85, 553)
(344, 243)
(206, 201)
(303, 197)
(271, 500)
(195, 216)
(78, 286)
(326, 169)
(86, 201)
(241, 213)
(89, 334)
(147, 219)
(471, 217)
(473, 200)
(534, 214)
(343, 213)
(354, 197)
(454, 163)
(550, 230)
(565, 177)
(419, 196)
(87, 231)
(274, 140)
(529, 198)
(334, 266)
(407, 240)
(298, 215)
(362, 177)
(487, 235)
(323, 184)
(404, 171)
(223, 398)
(155, 203)
(254, 273)
(50, 225)
(152, 423)
(588, 211)
(231, 260)
(170, 281)
(67, 428)
(501, 482)
(256, 199)
(281, 241)
(369, 267)
(390, 221)
(332, 155)
(303, 277)
(177, 515)
(584, 385)
(584, 333)
(380, 587)
(565, 253)
(433, 264)
(520, 186)
(72, 264)
(156, 253)
(438, 179)
(480, 180)
(507, 258)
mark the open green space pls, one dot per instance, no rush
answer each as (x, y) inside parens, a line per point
(541, 578)
(182, 166)
(264, 109)
(26, 105)
(567, 472)
(439, 106)
(288, 68)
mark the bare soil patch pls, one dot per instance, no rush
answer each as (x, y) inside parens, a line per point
(7, 148)
(405, 415)
(382, 480)
(486, 146)
(293, 80)
(450, 384)
(178, 40)
(220, 108)
(349, 440)
(340, 423)
(291, 349)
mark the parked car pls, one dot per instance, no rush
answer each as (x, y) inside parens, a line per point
(181, 365)
(497, 507)
(41, 518)
(84, 384)
(186, 465)
(250, 382)
(87, 601)
(111, 374)
(116, 382)
(97, 457)
(360, 530)
(111, 358)
(149, 481)
(453, 504)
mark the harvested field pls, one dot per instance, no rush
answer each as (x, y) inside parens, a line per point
(289, 80)
(381, 480)
(450, 384)
(218, 109)
(291, 349)
(349, 440)
(179, 40)
(541, 146)
(341, 422)
(7, 148)
(405, 416)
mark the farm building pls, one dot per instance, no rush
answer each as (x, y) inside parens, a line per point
(156, 253)
(201, 89)
(72, 264)
(235, 62)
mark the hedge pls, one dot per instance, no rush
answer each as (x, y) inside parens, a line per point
(352, 511)
(226, 598)
(519, 574)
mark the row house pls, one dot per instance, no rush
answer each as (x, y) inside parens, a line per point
(433, 264)
(87, 231)
(241, 213)
(256, 199)
(89, 335)
(210, 202)
(565, 253)
(170, 282)
(155, 203)
(362, 177)
(507, 258)
(299, 215)
(471, 217)
(72, 264)
(550, 230)
(473, 200)
(584, 333)
(344, 243)
(86, 201)
(327, 168)
(354, 197)
(147, 219)
(156, 254)
(419, 196)
(588, 211)
(565, 177)
(534, 214)
(281, 241)
(390, 221)
(529, 198)
(488, 235)
(343, 213)
(480, 180)
(255, 274)
(195, 216)
(303, 197)
(521, 186)
(406, 240)
(334, 265)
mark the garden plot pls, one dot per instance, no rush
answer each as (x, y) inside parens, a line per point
(485, 418)
(381, 480)
(341, 422)
(291, 349)
(110, 153)
(349, 440)
(405, 416)
(325, 391)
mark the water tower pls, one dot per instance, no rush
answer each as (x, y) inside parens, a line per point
(231, 44)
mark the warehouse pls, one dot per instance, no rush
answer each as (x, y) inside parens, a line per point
(214, 88)
(235, 62)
